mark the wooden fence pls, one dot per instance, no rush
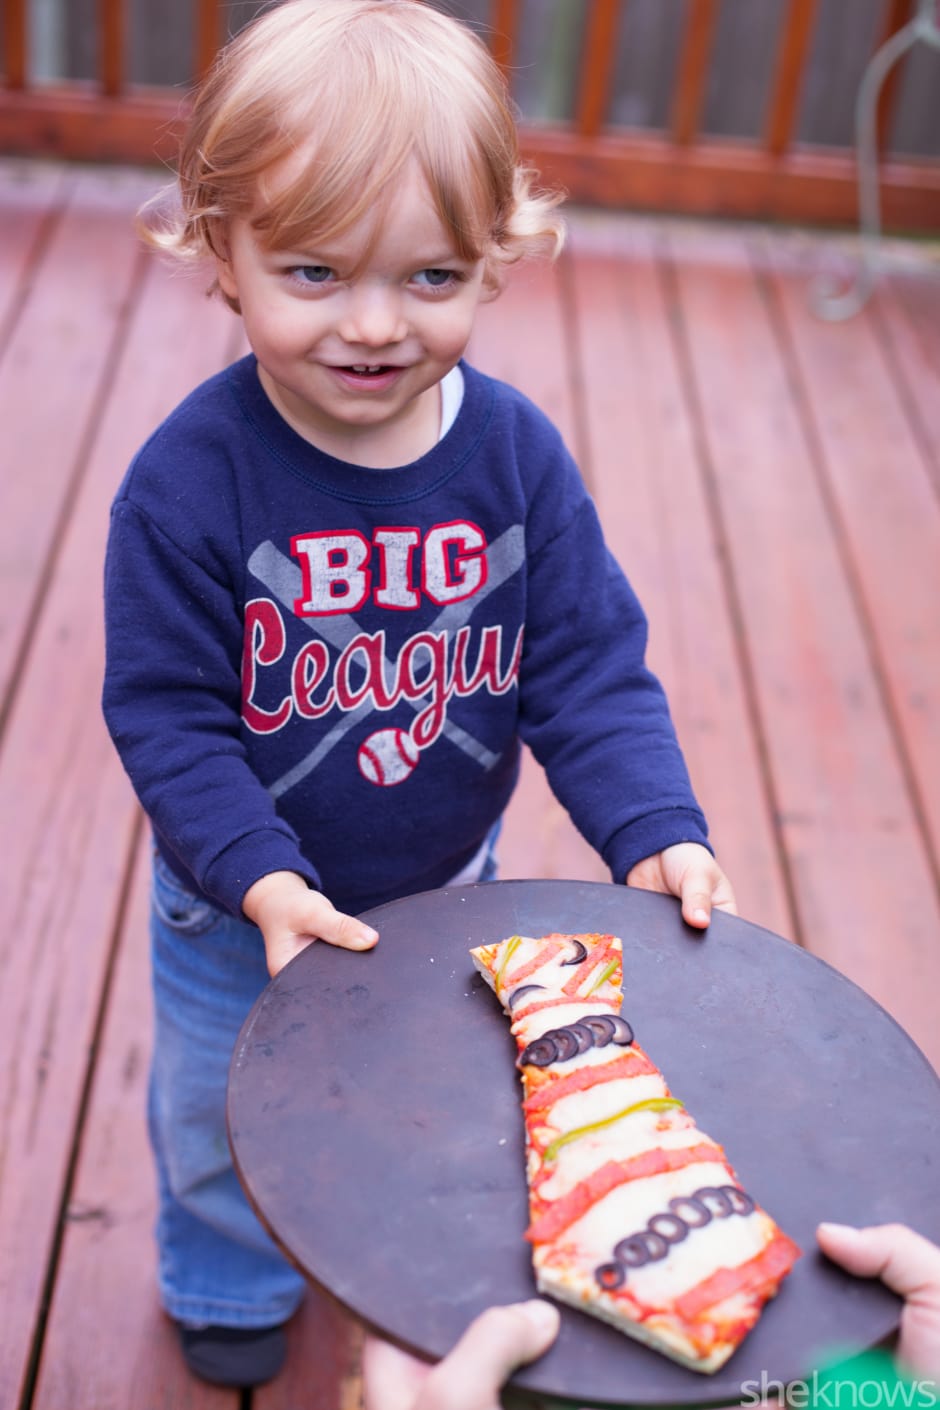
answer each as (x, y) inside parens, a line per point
(679, 167)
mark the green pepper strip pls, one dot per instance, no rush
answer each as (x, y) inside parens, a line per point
(602, 978)
(511, 948)
(651, 1104)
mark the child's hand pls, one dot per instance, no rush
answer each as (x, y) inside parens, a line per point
(290, 917)
(690, 872)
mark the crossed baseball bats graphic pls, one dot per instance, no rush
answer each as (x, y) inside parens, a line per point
(283, 579)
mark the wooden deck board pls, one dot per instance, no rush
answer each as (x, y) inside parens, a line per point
(772, 485)
(33, 198)
(886, 513)
(846, 814)
(64, 341)
(69, 818)
(652, 499)
(107, 1343)
(524, 336)
(908, 314)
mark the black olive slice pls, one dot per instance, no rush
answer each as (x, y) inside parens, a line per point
(656, 1246)
(741, 1202)
(623, 1033)
(714, 1200)
(632, 1251)
(541, 1052)
(639, 1249)
(669, 1227)
(579, 958)
(602, 1025)
(582, 1035)
(610, 1275)
(691, 1211)
(517, 994)
(565, 1042)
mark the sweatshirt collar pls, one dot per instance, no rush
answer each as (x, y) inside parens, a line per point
(357, 483)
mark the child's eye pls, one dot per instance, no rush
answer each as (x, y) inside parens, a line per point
(436, 278)
(311, 273)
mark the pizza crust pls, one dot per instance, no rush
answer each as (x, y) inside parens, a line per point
(661, 1339)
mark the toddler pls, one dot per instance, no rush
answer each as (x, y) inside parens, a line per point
(346, 577)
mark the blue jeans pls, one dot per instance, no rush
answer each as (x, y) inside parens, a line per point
(216, 1263)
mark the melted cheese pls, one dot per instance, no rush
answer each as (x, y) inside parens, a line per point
(554, 974)
(627, 1209)
(642, 1131)
(724, 1243)
(605, 1100)
(533, 1025)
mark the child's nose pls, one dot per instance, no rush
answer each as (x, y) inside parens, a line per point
(373, 316)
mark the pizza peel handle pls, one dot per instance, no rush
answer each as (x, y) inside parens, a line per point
(374, 1115)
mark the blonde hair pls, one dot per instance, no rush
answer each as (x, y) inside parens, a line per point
(357, 88)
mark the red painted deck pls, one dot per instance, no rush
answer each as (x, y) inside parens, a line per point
(770, 481)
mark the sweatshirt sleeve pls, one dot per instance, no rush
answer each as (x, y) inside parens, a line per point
(593, 714)
(172, 702)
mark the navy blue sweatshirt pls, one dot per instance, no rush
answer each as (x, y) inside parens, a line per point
(326, 669)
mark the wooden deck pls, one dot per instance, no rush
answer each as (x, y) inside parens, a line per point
(770, 481)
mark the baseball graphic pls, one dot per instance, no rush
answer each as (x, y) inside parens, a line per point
(387, 757)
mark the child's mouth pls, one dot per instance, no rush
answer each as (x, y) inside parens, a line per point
(377, 376)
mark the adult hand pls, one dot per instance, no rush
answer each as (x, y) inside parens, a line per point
(470, 1376)
(690, 872)
(910, 1265)
(290, 917)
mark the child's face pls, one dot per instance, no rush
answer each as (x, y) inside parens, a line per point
(351, 356)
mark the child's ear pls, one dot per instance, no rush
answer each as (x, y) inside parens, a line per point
(494, 277)
(226, 282)
(225, 279)
(225, 275)
(226, 285)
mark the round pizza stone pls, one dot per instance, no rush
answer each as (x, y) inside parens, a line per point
(374, 1115)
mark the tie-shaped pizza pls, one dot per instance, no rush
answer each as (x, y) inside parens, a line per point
(636, 1215)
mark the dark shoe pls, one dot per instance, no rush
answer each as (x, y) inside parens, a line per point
(233, 1356)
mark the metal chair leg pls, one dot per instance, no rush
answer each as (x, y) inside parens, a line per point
(827, 302)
